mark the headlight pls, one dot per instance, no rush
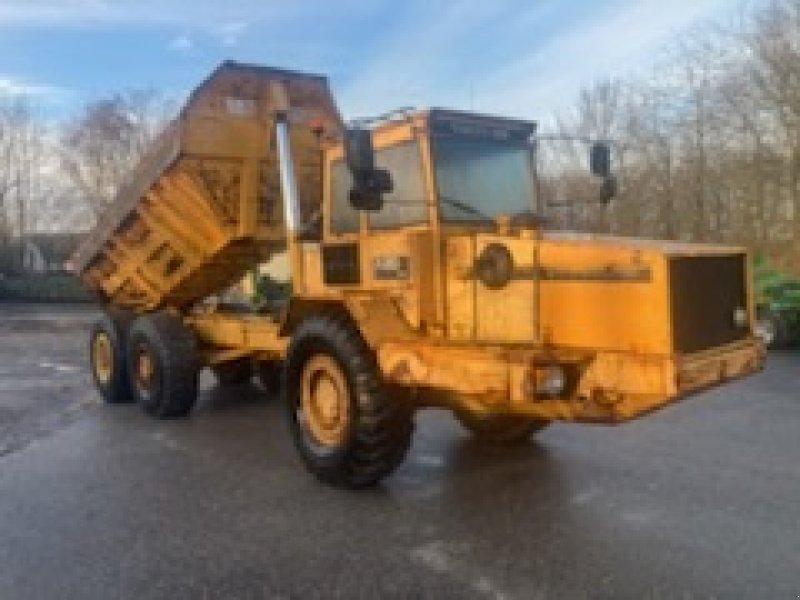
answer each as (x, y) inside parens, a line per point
(740, 317)
(495, 266)
(552, 381)
(545, 381)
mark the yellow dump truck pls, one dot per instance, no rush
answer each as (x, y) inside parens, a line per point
(420, 274)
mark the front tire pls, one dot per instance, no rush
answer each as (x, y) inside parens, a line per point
(500, 429)
(162, 361)
(107, 356)
(346, 427)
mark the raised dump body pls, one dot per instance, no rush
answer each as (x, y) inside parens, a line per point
(204, 205)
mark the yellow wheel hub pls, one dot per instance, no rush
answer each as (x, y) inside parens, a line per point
(103, 357)
(325, 401)
(144, 368)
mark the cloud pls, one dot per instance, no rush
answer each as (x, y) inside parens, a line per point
(625, 41)
(205, 14)
(51, 12)
(11, 86)
(182, 43)
(533, 67)
(229, 34)
(517, 57)
(423, 59)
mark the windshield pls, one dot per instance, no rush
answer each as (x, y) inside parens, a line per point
(480, 178)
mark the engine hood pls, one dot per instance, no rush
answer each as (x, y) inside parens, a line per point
(664, 247)
(600, 292)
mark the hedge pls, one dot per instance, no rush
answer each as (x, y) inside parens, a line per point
(50, 287)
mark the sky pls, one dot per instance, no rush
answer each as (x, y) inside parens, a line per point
(524, 58)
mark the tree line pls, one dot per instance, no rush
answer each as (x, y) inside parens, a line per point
(61, 177)
(706, 147)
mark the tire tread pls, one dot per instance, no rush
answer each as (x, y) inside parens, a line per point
(176, 350)
(382, 430)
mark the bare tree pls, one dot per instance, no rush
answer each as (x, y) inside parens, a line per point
(711, 141)
(774, 46)
(568, 193)
(20, 161)
(102, 145)
(10, 110)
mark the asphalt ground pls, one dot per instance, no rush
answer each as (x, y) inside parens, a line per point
(701, 499)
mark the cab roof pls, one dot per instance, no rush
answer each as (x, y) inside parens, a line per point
(449, 121)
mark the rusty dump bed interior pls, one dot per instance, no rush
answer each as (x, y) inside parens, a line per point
(204, 205)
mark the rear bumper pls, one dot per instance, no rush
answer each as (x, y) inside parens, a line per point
(601, 387)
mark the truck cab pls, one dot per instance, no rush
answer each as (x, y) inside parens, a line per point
(454, 174)
(504, 315)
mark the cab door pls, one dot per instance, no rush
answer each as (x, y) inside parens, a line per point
(390, 249)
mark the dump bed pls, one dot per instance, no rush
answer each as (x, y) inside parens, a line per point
(204, 205)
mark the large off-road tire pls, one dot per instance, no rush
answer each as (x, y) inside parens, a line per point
(234, 372)
(108, 356)
(268, 373)
(163, 365)
(347, 428)
(500, 429)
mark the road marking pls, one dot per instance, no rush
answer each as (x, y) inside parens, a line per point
(429, 460)
(642, 516)
(434, 556)
(165, 440)
(62, 368)
(585, 496)
(442, 557)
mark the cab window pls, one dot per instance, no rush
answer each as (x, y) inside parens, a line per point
(344, 218)
(404, 205)
(488, 177)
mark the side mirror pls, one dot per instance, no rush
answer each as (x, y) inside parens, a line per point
(600, 165)
(368, 189)
(358, 151)
(600, 159)
(608, 190)
(369, 182)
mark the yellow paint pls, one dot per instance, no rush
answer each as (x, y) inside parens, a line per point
(102, 358)
(507, 314)
(324, 401)
(630, 316)
(436, 328)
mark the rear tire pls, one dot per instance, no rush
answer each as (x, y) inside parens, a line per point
(500, 429)
(234, 372)
(162, 361)
(108, 356)
(349, 432)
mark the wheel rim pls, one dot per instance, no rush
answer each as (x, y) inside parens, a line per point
(143, 369)
(324, 401)
(103, 357)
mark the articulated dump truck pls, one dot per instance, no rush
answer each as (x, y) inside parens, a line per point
(420, 277)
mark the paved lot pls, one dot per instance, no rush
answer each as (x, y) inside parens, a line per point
(701, 499)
